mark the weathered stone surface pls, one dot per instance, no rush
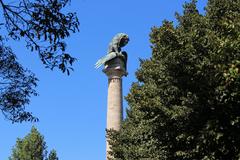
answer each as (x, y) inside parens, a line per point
(114, 69)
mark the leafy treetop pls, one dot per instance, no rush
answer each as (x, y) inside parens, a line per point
(185, 103)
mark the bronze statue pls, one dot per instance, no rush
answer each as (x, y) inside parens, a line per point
(114, 50)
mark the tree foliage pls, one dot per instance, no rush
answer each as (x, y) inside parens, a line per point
(16, 86)
(185, 104)
(44, 26)
(53, 155)
(32, 147)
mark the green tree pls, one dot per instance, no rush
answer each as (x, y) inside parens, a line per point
(52, 155)
(185, 104)
(44, 27)
(32, 147)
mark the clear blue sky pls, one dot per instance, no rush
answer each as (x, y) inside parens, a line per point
(72, 109)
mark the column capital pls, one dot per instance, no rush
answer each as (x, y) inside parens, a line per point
(115, 68)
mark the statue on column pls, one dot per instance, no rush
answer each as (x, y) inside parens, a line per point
(114, 50)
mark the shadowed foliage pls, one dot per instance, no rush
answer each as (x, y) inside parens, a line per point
(16, 86)
(43, 25)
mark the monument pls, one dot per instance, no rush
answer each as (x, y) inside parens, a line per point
(115, 67)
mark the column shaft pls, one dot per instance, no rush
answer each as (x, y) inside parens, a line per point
(114, 110)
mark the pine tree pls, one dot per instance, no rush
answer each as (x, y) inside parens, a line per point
(32, 147)
(185, 104)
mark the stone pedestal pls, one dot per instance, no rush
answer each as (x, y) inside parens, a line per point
(114, 70)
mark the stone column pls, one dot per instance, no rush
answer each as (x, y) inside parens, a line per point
(114, 70)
